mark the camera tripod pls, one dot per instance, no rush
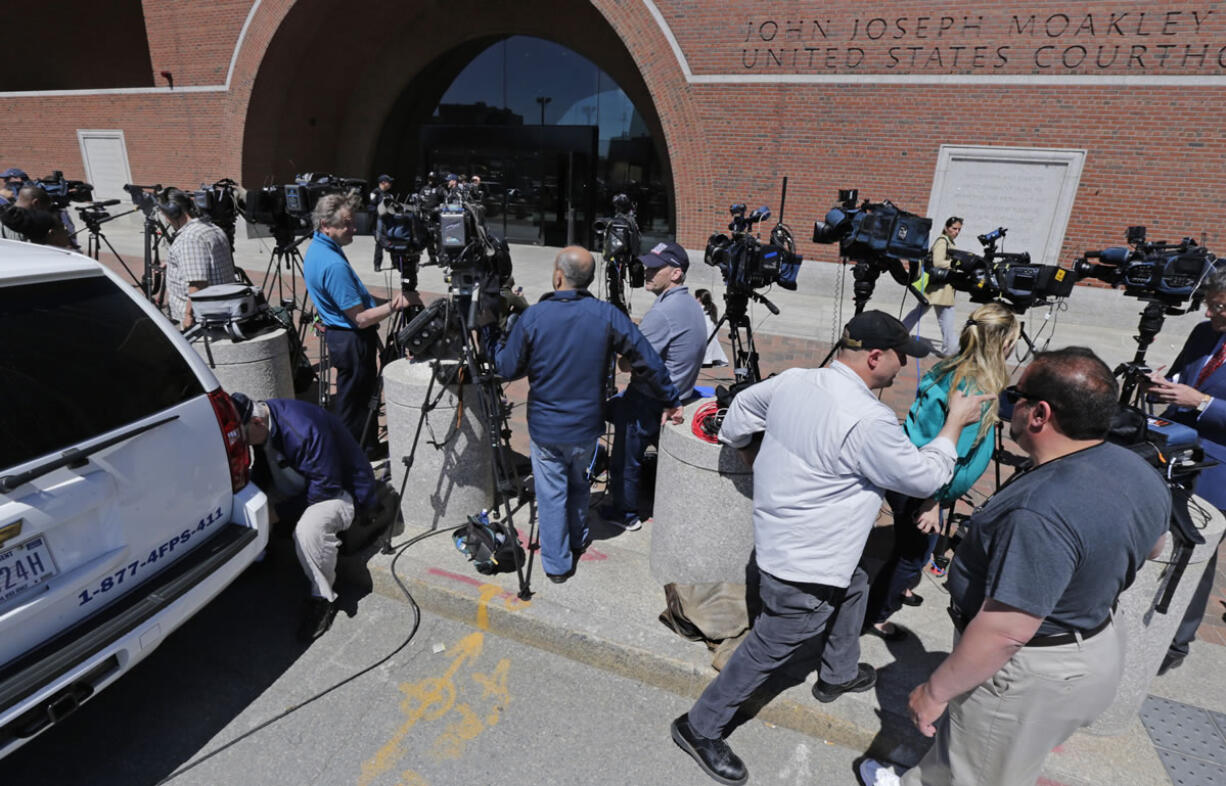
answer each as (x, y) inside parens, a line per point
(740, 333)
(475, 368)
(1134, 372)
(94, 217)
(286, 253)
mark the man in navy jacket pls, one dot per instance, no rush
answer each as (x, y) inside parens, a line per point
(1196, 390)
(563, 343)
(312, 459)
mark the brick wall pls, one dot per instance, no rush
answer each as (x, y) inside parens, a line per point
(313, 82)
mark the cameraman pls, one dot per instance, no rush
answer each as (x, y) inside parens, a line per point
(14, 179)
(32, 219)
(199, 255)
(347, 310)
(317, 470)
(563, 344)
(1195, 389)
(829, 450)
(381, 193)
(677, 330)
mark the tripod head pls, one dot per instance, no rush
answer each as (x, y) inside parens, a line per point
(1134, 372)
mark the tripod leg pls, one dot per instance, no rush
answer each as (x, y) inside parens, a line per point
(407, 459)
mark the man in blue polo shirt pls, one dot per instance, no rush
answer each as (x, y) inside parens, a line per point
(677, 330)
(563, 343)
(347, 310)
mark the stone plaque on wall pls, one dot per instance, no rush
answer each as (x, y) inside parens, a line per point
(1029, 191)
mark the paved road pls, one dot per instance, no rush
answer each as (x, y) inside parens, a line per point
(456, 706)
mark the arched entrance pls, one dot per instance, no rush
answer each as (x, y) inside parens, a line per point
(351, 89)
(551, 134)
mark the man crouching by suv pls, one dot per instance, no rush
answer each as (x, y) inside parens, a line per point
(314, 463)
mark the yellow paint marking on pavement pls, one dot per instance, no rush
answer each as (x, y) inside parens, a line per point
(435, 698)
(488, 593)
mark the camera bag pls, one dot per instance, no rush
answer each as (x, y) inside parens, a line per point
(221, 304)
(486, 545)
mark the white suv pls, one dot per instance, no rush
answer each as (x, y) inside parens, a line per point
(124, 501)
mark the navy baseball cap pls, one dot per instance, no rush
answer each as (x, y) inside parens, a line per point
(243, 405)
(15, 172)
(666, 254)
(879, 330)
(388, 178)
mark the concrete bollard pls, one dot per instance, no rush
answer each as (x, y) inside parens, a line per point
(1147, 634)
(702, 529)
(451, 476)
(258, 366)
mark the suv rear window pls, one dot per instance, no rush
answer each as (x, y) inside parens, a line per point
(79, 358)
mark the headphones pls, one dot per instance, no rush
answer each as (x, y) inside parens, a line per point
(168, 205)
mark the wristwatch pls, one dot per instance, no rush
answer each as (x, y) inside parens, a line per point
(1204, 403)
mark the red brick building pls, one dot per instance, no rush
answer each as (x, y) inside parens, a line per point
(832, 94)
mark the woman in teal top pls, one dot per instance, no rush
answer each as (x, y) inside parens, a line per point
(979, 367)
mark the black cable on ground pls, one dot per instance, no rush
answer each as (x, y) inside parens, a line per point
(294, 708)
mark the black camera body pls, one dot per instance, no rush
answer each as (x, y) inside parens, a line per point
(873, 231)
(996, 275)
(61, 191)
(1167, 273)
(286, 209)
(745, 262)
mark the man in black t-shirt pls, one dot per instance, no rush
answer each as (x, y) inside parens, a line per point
(1033, 585)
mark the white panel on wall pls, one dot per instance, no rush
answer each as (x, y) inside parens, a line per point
(105, 156)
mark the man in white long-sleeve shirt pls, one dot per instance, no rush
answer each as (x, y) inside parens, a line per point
(829, 450)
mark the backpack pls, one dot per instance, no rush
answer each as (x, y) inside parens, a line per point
(485, 545)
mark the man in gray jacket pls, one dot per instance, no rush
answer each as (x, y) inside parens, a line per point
(828, 450)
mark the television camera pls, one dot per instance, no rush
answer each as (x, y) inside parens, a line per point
(747, 264)
(456, 333)
(286, 209)
(999, 276)
(877, 237)
(619, 240)
(62, 191)
(1167, 277)
(219, 202)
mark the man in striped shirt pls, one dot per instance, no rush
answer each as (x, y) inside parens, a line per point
(199, 255)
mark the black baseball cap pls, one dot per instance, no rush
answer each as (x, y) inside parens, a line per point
(666, 254)
(879, 330)
(388, 178)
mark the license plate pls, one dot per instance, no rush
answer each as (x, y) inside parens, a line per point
(23, 566)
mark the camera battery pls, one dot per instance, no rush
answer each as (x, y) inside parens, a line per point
(452, 230)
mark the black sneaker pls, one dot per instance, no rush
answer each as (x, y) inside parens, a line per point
(866, 677)
(714, 756)
(316, 619)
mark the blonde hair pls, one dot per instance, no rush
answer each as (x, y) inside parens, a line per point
(980, 363)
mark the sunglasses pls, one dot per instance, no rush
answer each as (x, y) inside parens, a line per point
(1014, 394)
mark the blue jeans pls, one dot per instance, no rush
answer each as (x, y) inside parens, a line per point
(562, 494)
(906, 562)
(636, 425)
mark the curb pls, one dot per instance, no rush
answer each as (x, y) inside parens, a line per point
(491, 608)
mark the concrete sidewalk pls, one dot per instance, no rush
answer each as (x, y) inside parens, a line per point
(1100, 318)
(606, 616)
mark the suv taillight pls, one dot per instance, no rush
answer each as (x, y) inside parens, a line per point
(233, 437)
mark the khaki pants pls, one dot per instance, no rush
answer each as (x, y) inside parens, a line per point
(316, 541)
(1001, 732)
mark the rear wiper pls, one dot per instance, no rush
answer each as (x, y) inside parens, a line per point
(75, 457)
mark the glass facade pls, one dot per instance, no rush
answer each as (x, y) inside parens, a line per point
(553, 138)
